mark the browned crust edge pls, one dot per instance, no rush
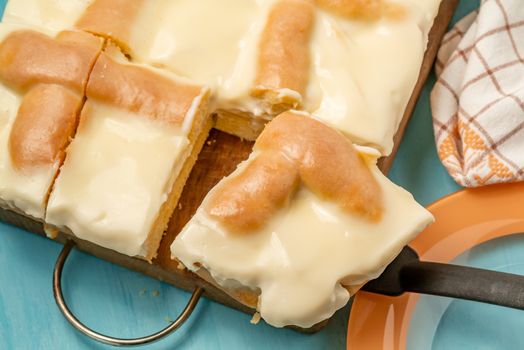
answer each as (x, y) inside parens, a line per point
(240, 124)
(197, 137)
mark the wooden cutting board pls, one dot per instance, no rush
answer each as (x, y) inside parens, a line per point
(219, 157)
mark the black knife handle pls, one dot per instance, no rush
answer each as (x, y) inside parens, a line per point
(463, 282)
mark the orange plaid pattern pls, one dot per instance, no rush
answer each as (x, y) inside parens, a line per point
(478, 100)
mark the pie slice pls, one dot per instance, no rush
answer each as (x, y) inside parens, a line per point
(301, 225)
(42, 83)
(140, 132)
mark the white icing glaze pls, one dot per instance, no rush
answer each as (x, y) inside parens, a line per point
(55, 15)
(363, 73)
(220, 51)
(24, 191)
(117, 174)
(304, 254)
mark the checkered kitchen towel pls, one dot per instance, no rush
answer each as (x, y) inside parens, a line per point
(478, 100)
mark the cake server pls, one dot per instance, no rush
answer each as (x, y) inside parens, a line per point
(407, 273)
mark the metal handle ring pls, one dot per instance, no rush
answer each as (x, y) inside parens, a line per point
(71, 318)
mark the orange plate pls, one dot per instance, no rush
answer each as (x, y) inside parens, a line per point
(463, 220)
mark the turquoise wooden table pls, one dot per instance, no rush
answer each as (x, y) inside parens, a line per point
(123, 303)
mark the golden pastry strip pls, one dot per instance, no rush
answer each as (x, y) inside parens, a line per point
(28, 58)
(140, 90)
(328, 163)
(284, 57)
(249, 200)
(112, 19)
(294, 148)
(361, 9)
(53, 73)
(45, 121)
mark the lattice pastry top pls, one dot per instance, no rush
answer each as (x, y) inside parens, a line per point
(353, 64)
